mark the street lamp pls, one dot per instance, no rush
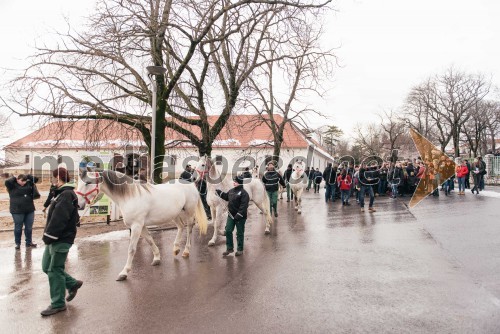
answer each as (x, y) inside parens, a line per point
(154, 71)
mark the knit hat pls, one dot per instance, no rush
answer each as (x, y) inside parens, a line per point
(238, 179)
(62, 174)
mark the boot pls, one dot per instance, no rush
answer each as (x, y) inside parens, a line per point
(229, 251)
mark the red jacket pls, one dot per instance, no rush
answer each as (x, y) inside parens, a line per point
(462, 171)
(345, 184)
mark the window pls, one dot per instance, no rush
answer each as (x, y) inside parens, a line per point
(59, 159)
(27, 158)
(173, 159)
(218, 159)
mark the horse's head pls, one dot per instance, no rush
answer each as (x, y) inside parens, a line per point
(204, 166)
(299, 167)
(88, 188)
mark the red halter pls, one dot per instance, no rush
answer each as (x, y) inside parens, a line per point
(85, 196)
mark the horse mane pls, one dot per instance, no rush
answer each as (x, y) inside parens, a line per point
(123, 185)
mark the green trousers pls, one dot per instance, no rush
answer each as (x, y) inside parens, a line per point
(240, 233)
(273, 200)
(289, 193)
(53, 262)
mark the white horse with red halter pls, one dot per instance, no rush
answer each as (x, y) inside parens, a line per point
(143, 204)
(298, 180)
(218, 207)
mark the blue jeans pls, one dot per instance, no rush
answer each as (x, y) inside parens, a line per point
(382, 187)
(362, 192)
(344, 195)
(394, 188)
(461, 183)
(25, 219)
(330, 192)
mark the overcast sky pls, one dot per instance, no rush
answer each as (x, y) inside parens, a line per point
(384, 47)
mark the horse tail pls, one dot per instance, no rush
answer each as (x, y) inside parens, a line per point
(267, 210)
(201, 217)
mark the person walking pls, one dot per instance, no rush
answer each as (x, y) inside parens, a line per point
(345, 182)
(482, 172)
(447, 170)
(330, 177)
(395, 179)
(477, 174)
(58, 236)
(187, 174)
(22, 207)
(271, 179)
(318, 177)
(238, 200)
(310, 177)
(286, 176)
(201, 185)
(467, 177)
(461, 172)
(367, 178)
(382, 185)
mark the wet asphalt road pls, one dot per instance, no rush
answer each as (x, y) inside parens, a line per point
(434, 269)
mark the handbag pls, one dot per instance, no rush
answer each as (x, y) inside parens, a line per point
(36, 193)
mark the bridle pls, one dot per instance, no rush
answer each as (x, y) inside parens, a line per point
(86, 195)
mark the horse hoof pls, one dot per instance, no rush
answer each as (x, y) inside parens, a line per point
(267, 232)
(155, 262)
(185, 254)
(176, 252)
(211, 243)
(121, 277)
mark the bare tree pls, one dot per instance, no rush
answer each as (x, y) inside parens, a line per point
(447, 100)
(393, 127)
(281, 87)
(369, 139)
(99, 73)
(475, 129)
(492, 124)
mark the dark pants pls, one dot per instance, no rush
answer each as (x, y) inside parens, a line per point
(382, 187)
(205, 205)
(21, 219)
(362, 192)
(467, 181)
(330, 192)
(53, 261)
(240, 233)
(344, 194)
(289, 192)
(273, 200)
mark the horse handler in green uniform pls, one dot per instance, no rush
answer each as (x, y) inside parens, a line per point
(237, 215)
(58, 236)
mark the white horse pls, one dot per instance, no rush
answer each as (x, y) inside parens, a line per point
(145, 204)
(297, 182)
(218, 206)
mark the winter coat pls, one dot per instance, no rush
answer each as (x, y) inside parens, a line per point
(187, 176)
(63, 216)
(383, 173)
(288, 174)
(247, 175)
(330, 175)
(21, 197)
(318, 177)
(368, 177)
(238, 201)
(52, 194)
(462, 171)
(344, 184)
(271, 180)
(396, 175)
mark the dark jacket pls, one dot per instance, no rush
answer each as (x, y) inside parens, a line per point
(247, 175)
(318, 177)
(21, 197)
(383, 173)
(238, 201)
(271, 180)
(63, 217)
(368, 177)
(52, 194)
(201, 185)
(396, 175)
(288, 174)
(330, 175)
(187, 176)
